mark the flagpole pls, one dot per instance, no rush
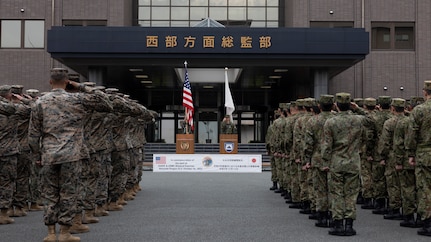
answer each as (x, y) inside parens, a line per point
(186, 117)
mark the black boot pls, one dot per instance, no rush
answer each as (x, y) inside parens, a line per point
(349, 231)
(380, 206)
(426, 230)
(360, 199)
(322, 220)
(288, 197)
(368, 203)
(274, 186)
(283, 192)
(305, 208)
(408, 221)
(419, 222)
(278, 190)
(295, 205)
(314, 215)
(394, 214)
(330, 220)
(337, 229)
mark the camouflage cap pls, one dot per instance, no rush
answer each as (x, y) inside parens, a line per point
(32, 92)
(359, 101)
(5, 89)
(398, 102)
(111, 90)
(427, 85)
(89, 84)
(292, 104)
(384, 100)
(326, 99)
(370, 102)
(59, 69)
(300, 102)
(414, 101)
(100, 88)
(282, 105)
(17, 89)
(342, 97)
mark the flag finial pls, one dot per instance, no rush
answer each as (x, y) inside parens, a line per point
(185, 63)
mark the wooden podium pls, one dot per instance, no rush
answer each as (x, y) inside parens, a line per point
(185, 144)
(228, 143)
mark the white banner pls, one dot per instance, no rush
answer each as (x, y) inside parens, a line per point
(244, 163)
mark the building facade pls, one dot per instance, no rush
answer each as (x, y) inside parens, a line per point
(397, 63)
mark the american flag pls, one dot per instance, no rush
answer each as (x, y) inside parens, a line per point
(188, 100)
(161, 160)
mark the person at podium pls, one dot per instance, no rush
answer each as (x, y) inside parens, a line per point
(227, 126)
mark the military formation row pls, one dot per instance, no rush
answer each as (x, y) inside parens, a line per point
(330, 154)
(84, 146)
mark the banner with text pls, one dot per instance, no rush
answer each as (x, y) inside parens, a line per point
(243, 163)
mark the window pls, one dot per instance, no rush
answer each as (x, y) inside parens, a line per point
(244, 13)
(392, 36)
(22, 34)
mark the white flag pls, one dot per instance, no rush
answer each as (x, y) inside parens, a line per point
(228, 101)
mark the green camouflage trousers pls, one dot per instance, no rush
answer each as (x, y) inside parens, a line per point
(294, 185)
(60, 192)
(7, 179)
(343, 189)
(379, 181)
(423, 183)
(367, 178)
(320, 185)
(408, 190)
(303, 182)
(88, 183)
(120, 168)
(34, 181)
(393, 186)
(273, 170)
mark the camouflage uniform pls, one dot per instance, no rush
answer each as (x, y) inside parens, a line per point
(8, 154)
(385, 155)
(270, 151)
(56, 133)
(419, 148)
(298, 149)
(227, 127)
(379, 181)
(343, 138)
(313, 156)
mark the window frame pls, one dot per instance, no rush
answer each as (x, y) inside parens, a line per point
(392, 26)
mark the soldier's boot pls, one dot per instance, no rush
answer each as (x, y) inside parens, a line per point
(121, 200)
(77, 226)
(408, 221)
(89, 217)
(65, 234)
(368, 203)
(19, 212)
(349, 231)
(114, 206)
(338, 228)
(4, 217)
(52, 236)
(322, 220)
(128, 195)
(100, 211)
(380, 206)
(305, 208)
(330, 220)
(296, 205)
(360, 199)
(11, 211)
(314, 215)
(274, 186)
(283, 192)
(393, 214)
(278, 190)
(426, 229)
(419, 222)
(138, 187)
(35, 207)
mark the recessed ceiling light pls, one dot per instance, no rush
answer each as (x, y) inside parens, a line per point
(208, 87)
(281, 70)
(141, 76)
(274, 77)
(135, 69)
(265, 87)
(146, 82)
